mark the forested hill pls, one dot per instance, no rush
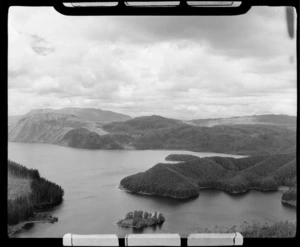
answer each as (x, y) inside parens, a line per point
(235, 139)
(185, 179)
(152, 132)
(28, 191)
(144, 123)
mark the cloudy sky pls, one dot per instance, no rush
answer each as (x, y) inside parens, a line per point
(179, 67)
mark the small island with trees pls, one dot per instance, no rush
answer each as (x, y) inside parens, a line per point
(140, 219)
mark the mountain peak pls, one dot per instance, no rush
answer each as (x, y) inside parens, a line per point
(89, 114)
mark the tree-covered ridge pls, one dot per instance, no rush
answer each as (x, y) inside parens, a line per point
(235, 139)
(43, 194)
(185, 179)
(85, 138)
(142, 123)
(153, 132)
(18, 170)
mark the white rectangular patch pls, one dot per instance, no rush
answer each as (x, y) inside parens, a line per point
(153, 239)
(90, 240)
(211, 239)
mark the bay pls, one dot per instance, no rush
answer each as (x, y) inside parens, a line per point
(93, 203)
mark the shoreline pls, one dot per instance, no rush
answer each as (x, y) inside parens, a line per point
(291, 203)
(132, 148)
(37, 218)
(120, 187)
(150, 194)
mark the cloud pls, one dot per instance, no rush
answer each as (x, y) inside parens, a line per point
(41, 46)
(181, 67)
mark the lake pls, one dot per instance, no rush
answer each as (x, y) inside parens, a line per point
(93, 203)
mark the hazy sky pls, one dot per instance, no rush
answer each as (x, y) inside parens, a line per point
(179, 67)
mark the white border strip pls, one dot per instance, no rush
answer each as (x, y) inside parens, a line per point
(215, 239)
(90, 240)
(160, 239)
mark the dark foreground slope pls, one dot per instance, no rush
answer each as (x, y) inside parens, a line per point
(185, 179)
(23, 204)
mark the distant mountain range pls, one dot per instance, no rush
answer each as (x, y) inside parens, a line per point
(185, 179)
(12, 119)
(255, 119)
(88, 114)
(98, 129)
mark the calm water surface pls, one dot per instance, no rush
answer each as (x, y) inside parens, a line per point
(93, 203)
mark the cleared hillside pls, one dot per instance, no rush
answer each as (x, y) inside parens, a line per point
(17, 187)
(27, 192)
(47, 127)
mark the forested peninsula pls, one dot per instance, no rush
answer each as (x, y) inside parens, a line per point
(185, 179)
(28, 194)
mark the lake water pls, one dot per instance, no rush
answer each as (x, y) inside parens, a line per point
(93, 203)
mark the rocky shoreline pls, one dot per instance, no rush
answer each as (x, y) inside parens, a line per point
(289, 197)
(291, 203)
(36, 218)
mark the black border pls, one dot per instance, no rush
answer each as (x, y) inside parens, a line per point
(4, 10)
(182, 9)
